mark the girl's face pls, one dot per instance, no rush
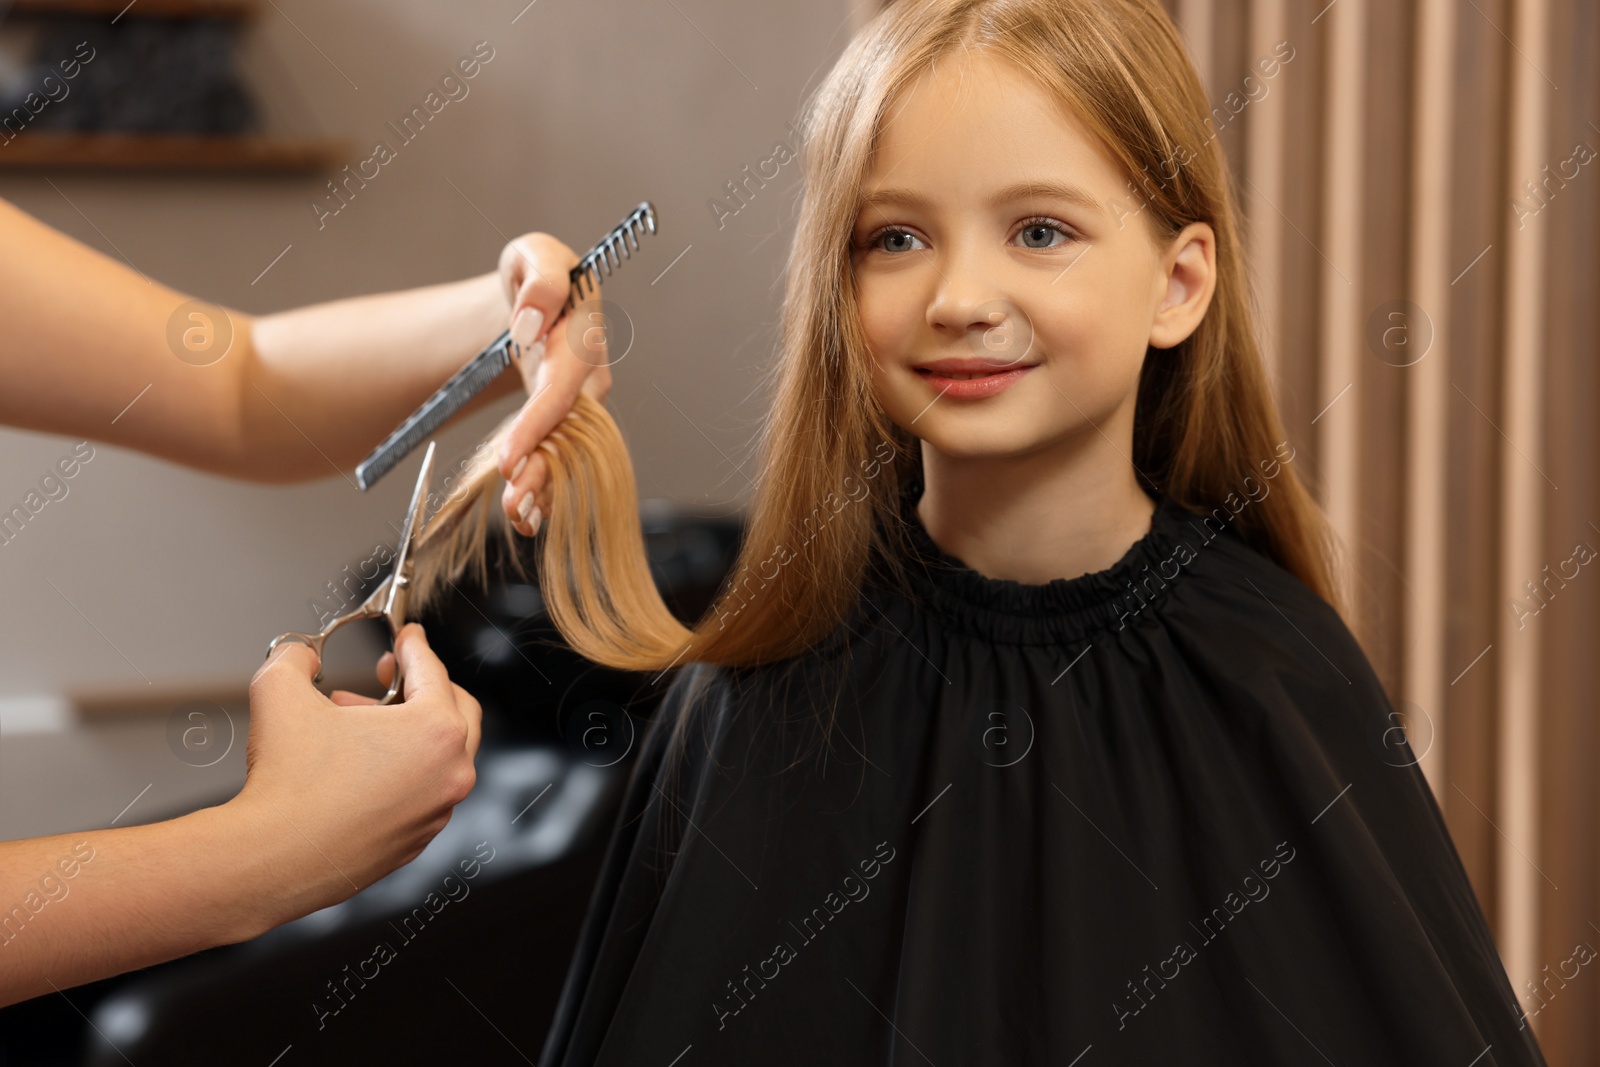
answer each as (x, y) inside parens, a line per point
(998, 236)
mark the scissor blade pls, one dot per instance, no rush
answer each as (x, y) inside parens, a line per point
(465, 384)
(414, 513)
(413, 526)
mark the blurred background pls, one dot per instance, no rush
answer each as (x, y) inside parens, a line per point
(1419, 185)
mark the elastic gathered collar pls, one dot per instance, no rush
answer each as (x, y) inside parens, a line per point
(1063, 609)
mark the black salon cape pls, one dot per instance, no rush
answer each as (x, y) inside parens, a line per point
(1157, 814)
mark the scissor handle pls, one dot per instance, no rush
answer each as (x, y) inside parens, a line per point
(316, 641)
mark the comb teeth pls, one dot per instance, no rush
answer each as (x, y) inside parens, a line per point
(606, 257)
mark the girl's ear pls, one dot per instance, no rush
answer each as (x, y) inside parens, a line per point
(1190, 269)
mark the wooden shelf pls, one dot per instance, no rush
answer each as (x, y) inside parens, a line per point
(45, 150)
(164, 9)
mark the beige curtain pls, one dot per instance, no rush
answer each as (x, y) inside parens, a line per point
(1422, 189)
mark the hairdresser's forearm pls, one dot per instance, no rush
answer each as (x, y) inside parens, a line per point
(91, 348)
(143, 895)
(322, 385)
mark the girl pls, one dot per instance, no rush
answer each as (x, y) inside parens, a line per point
(1028, 730)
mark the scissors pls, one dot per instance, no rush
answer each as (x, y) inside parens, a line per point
(388, 600)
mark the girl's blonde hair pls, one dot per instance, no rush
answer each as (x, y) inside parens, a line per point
(831, 463)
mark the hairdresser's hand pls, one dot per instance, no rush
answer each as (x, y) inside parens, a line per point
(560, 358)
(353, 791)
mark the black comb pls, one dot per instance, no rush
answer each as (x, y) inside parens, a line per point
(486, 366)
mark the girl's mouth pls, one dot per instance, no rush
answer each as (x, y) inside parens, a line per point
(973, 385)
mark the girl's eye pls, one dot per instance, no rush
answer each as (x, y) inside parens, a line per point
(1037, 233)
(897, 241)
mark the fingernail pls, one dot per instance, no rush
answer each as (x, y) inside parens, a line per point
(525, 506)
(523, 462)
(534, 520)
(525, 327)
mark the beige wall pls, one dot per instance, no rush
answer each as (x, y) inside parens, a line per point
(584, 110)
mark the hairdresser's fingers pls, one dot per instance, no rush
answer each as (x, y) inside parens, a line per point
(555, 385)
(422, 672)
(534, 270)
(426, 680)
(472, 712)
(526, 493)
(586, 335)
(598, 384)
(287, 673)
(559, 378)
(346, 699)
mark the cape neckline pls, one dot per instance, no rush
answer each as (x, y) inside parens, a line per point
(1062, 609)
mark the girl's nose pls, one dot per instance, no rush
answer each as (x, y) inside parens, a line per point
(993, 327)
(1006, 332)
(963, 301)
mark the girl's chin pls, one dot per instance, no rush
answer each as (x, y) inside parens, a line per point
(985, 438)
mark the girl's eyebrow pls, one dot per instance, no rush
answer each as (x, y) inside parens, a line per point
(1035, 189)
